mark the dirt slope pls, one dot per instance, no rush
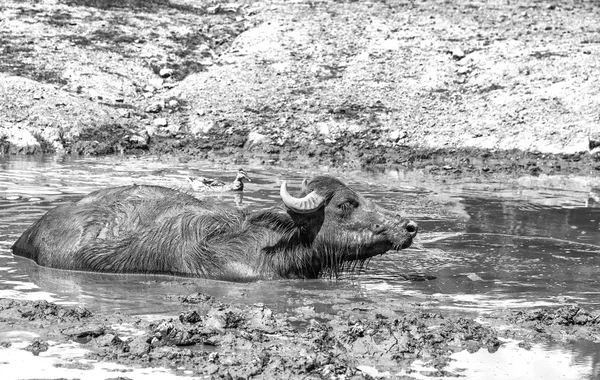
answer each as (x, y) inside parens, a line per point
(349, 82)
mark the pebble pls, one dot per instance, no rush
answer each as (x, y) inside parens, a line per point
(457, 53)
(126, 114)
(155, 107)
(202, 126)
(156, 82)
(174, 128)
(151, 130)
(165, 73)
(12, 197)
(173, 103)
(463, 70)
(161, 122)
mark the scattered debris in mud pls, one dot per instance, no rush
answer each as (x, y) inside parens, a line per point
(566, 323)
(240, 341)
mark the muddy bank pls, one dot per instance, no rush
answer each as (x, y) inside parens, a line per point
(238, 341)
(222, 340)
(450, 87)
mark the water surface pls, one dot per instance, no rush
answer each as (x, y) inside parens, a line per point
(483, 246)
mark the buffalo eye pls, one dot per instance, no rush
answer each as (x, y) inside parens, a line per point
(348, 206)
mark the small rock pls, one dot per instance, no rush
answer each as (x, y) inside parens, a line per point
(151, 130)
(256, 138)
(155, 107)
(93, 94)
(457, 53)
(474, 277)
(197, 298)
(202, 126)
(165, 73)
(139, 140)
(190, 317)
(594, 141)
(124, 113)
(160, 122)
(37, 346)
(395, 135)
(323, 129)
(204, 48)
(139, 346)
(174, 128)
(37, 96)
(173, 103)
(108, 340)
(146, 54)
(156, 82)
(119, 99)
(149, 89)
(463, 70)
(84, 331)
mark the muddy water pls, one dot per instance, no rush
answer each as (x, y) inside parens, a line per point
(483, 247)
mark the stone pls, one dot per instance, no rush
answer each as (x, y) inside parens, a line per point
(202, 126)
(165, 73)
(160, 122)
(156, 82)
(155, 107)
(174, 129)
(256, 138)
(151, 130)
(458, 53)
(124, 113)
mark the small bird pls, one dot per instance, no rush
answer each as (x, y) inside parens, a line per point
(203, 184)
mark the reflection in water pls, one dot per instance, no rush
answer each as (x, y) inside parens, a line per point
(483, 250)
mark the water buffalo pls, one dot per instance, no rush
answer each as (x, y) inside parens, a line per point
(151, 229)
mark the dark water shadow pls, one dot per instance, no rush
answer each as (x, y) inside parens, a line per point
(140, 5)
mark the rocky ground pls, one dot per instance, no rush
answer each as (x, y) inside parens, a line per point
(465, 86)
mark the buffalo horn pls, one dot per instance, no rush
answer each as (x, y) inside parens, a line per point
(310, 203)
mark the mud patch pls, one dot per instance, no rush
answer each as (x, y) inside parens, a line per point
(567, 323)
(238, 341)
(211, 338)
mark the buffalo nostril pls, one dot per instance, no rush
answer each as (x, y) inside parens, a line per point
(412, 228)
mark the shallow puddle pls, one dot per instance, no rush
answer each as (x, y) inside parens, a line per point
(482, 247)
